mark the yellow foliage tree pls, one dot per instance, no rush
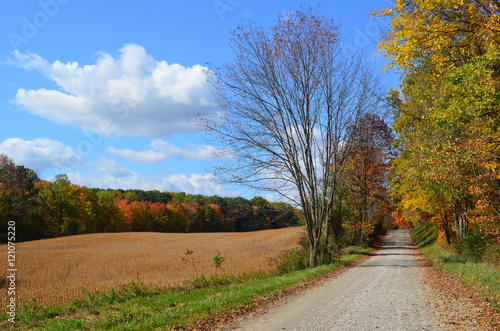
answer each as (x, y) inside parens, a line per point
(446, 116)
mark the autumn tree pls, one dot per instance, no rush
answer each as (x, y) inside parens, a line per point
(177, 217)
(160, 216)
(85, 211)
(446, 117)
(109, 216)
(284, 215)
(221, 219)
(17, 197)
(59, 199)
(367, 174)
(141, 217)
(210, 223)
(287, 101)
(241, 212)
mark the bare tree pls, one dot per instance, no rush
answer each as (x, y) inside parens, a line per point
(287, 102)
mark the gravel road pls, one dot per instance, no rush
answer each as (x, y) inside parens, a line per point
(386, 292)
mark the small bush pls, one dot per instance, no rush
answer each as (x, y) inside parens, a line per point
(197, 283)
(137, 288)
(291, 260)
(474, 246)
(217, 261)
(492, 254)
(132, 290)
(217, 280)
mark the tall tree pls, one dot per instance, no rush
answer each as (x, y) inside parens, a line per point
(59, 198)
(17, 197)
(368, 172)
(447, 119)
(287, 101)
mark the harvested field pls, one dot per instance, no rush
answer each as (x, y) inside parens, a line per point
(53, 271)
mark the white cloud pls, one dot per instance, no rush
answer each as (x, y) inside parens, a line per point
(137, 157)
(40, 154)
(133, 94)
(28, 61)
(113, 170)
(162, 150)
(199, 152)
(108, 173)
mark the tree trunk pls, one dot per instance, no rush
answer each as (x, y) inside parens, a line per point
(313, 254)
(314, 230)
(328, 231)
(290, 103)
(446, 226)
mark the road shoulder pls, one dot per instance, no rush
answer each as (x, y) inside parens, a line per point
(456, 305)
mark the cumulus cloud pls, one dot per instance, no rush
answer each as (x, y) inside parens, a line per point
(107, 173)
(41, 154)
(162, 150)
(132, 94)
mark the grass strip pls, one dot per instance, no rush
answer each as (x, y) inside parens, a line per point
(139, 308)
(482, 277)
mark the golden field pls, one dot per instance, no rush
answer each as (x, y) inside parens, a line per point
(53, 271)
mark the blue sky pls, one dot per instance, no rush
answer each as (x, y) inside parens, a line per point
(103, 90)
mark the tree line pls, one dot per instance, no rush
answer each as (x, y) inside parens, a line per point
(43, 209)
(446, 118)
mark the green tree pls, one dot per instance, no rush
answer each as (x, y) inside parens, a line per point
(109, 216)
(209, 220)
(18, 198)
(60, 201)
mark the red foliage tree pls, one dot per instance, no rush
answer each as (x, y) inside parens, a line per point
(367, 174)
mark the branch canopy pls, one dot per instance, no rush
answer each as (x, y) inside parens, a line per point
(288, 101)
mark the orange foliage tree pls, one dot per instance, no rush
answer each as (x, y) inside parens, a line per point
(367, 175)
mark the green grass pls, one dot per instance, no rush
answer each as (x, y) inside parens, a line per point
(482, 277)
(139, 308)
(425, 234)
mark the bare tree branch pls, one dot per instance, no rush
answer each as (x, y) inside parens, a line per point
(288, 100)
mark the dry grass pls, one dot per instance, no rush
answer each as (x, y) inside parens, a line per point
(53, 271)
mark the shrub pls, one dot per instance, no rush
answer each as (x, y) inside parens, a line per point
(291, 260)
(197, 283)
(492, 254)
(473, 246)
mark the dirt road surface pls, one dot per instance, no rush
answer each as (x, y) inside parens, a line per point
(386, 292)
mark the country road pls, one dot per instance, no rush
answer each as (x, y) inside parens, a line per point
(386, 292)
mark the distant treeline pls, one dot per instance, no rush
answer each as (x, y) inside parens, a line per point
(42, 209)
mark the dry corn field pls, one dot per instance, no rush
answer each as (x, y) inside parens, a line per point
(53, 271)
